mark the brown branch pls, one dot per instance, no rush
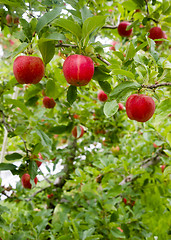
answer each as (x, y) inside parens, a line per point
(103, 60)
(65, 45)
(154, 160)
(110, 27)
(146, 2)
(156, 85)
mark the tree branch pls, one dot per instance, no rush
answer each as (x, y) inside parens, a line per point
(66, 45)
(103, 60)
(156, 85)
(110, 27)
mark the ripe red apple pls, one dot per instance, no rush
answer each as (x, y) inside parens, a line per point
(9, 19)
(162, 167)
(74, 132)
(102, 96)
(76, 116)
(113, 45)
(121, 106)
(140, 107)
(78, 70)
(25, 181)
(28, 69)
(49, 102)
(122, 29)
(156, 33)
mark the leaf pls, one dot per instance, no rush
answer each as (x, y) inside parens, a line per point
(132, 25)
(58, 129)
(119, 55)
(110, 108)
(7, 166)
(69, 25)
(51, 89)
(47, 18)
(92, 25)
(141, 46)
(123, 88)
(139, 3)
(55, 36)
(47, 49)
(126, 230)
(88, 233)
(101, 73)
(167, 171)
(45, 140)
(72, 94)
(105, 86)
(32, 91)
(11, 3)
(85, 13)
(13, 156)
(27, 29)
(123, 72)
(163, 110)
(18, 50)
(19, 104)
(32, 169)
(130, 51)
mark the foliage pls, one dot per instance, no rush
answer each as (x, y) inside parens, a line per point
(100, 193)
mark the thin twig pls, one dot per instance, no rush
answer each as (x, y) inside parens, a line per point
(103, 60)
(156, 85)
(110, 27)
(66, 45)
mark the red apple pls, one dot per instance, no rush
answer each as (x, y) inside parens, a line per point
(16, 20)
(25, 181)
(125, 200)
(156, 33)
(74, 132)
(162, 167)
(28, 69)
(122, 29)
(102, 96)
(113, 45)
(49, 102)
(78, 70)
(140, 107)
(76, 116)
(121, 106)
(35, 157)
(9, 19)
(50, 195)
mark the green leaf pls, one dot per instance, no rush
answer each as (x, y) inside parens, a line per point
(123, 72)
(72, 94)
(13, 156)
(58, 129)
(19, 104)
(119, 55)
(132, 25)
(126, 230)
(32, 169)
(47, 18)
(114, 216)
(27, 29)
(88, 233)
(45, 140)
(51, 89)
(7, 166)
(18, 50)
(130, 51)
(55, 36)
(101, 73)
(163, 110)
(105, 86)
(13, 3)
(139, 3)
(85, 13)
(141, 46)
(110, 108)
(167, 171)
(69, 25)
(92, 25)
(123, 88)
(47, 49)
(32, 91)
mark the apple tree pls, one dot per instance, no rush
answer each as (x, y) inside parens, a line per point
(85, 88)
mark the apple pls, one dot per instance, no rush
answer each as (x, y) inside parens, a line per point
(162, 167)
(121, 106)
(74, 132)
(115, 149)
(156, 33)
(28, 69)
(50, 195)
(102, 96)
(140, 107)
(125, 200)
(78, 70)
(122, 29)
(9, 19)
(35, 157)
(49, 102)
(113, 45)
(25, 181)
(76, 116)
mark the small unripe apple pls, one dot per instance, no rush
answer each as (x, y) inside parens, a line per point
(28, 69)
(78, 70)
(9, 19)
(115, 149)
(25, 181)
(156, 33)
(121, 106)
(74, 132)
(49, 102)
(113, 45)
(140, 107)
(102, 96)
(122, 29)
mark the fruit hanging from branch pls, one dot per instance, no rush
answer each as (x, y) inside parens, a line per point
(122, 29)
(102, 96)
(25, 180)
(78, 70)
(28, 69)
(49, 102)
(140, 107)
(76, 134)
(157, 33)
